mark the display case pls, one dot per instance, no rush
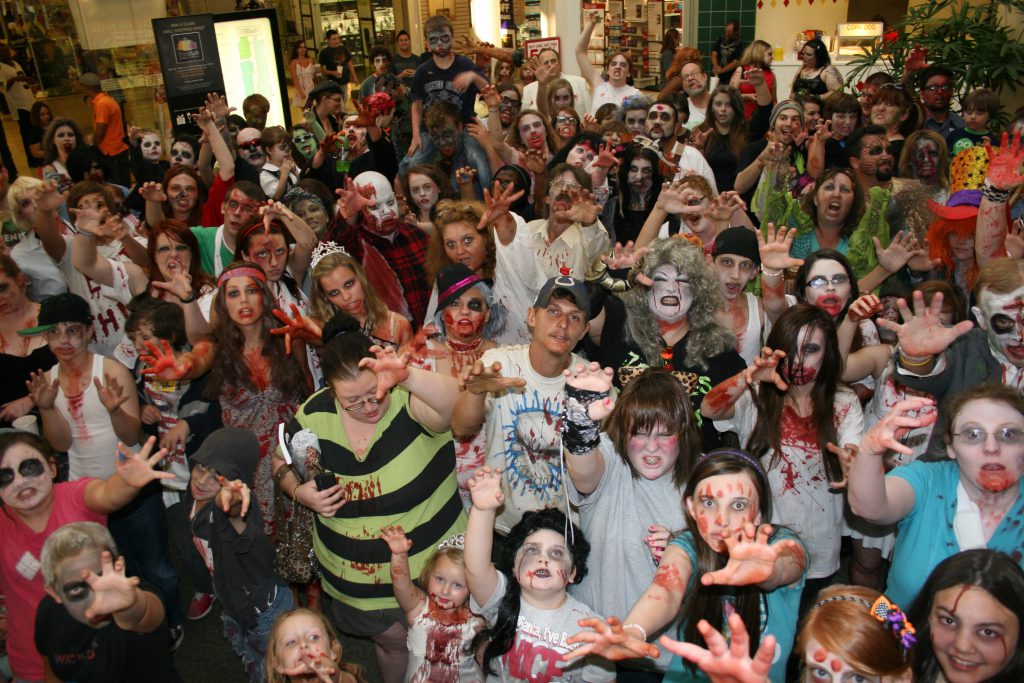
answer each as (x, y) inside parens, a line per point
(343, 16)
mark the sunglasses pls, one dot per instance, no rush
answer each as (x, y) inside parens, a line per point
(252, 144)
(567, 119)
(28, 469)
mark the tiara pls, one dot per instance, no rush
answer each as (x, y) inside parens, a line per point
(326, 249)
(888, 613)
(457, 542)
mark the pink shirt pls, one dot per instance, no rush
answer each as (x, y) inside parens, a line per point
(21, 575)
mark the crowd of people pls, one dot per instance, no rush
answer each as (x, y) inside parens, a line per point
(519, 374)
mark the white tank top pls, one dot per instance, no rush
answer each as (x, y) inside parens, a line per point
(748, 344)
(93, 440)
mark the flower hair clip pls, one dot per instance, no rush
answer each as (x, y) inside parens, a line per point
(458, 542)
(893, 617)
(325, 249)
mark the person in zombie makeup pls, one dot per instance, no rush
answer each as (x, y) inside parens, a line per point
(384, 431)
(364, 148)
(969, 499)
(32, 500)
(309, 208)
(445, 131)
(670, 319)
(633, 113)
(616, 90)
(425, 186)
(325, 106)
(368, 219)
(465, 325)
(521, 425)
(523, 597)
(945, 361)
(95, 622)
(148, 164)
(786, 408)
(579, 90)
(925, 158)
(728, 559)
(785, 123)
(445, 77)
(969, 615)
(380, 59)
(304, 140)
(646, 452)
(61, 136)
(250, 148)
(851, 634)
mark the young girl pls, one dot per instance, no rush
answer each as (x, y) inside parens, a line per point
(627, 482)
(441, 627)
(851, 634)
(786, 408)
(529, 614)
(727, 560)
(296, 651)
(969, 616)
(426, 185)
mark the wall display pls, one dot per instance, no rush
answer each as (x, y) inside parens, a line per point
(248, 44)
(190, 62)
(534, 47)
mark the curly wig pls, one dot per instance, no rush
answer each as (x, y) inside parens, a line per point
(707, 336)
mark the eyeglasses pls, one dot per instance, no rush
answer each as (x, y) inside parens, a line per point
(509, 102)
(972, 436)
(361, 404)
(821, 282)
(27, 469)
(948, 87)
(565, 185)
(567, 119)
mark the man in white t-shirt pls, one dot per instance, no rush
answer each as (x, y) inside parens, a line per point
(523, 424)
(553, 61)
(695, 84)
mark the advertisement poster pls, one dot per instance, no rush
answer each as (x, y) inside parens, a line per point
(534, 47)
(247, 44)
(190, 62)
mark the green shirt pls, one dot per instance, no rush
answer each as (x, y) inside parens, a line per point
(207, 238)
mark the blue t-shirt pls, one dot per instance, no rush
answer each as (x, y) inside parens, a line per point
(925, 537)
(779, 611)
(432, 84)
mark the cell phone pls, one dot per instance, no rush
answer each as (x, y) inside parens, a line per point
(324, 481)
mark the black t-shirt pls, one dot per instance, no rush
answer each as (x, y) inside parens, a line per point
(618, 351)
(78, 652)
(16, 370)
(333, 59)
(727, 52)
(432, 84)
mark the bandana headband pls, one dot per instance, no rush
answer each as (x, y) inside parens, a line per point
(239, 271)
(472, 279)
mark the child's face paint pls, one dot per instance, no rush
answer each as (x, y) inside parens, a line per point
(301, 637)
(447, 586)
(543, 563)
(722, 505)
(654, 453)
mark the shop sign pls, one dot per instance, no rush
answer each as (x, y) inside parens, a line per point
(508, 21)
(537, 45)
(190, 63)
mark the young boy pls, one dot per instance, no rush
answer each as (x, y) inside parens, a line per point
(171, 383)
(980, 108)
(278, 173)
(103, 626)
(230, 533)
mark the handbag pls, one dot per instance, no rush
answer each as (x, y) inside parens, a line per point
(295, 560)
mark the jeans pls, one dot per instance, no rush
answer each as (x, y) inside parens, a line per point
(469, 154)
(140, 531)
(251, 644)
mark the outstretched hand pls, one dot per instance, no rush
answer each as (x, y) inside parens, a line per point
(766, 369)
(233, 493)
(584, 210)
(297, 326)
(485, 489)
(593, 377)
(1004, 164)
(353, 199)
(161, 362)
(397, 541)
(482, 379)
(608, 639)
(112, 591)
(499, 204)
(846, 454)
(774, 247)
(391, 368)
(623, 257)
(751, 558)
(138, 468)
(922, 333)
(727, 662)
(886, 435)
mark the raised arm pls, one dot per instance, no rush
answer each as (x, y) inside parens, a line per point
(587, 402)
(133, 471)
(922, 336)
(45, 222)
(92, 224)
(1002, 178)
(305, 238)
(720, 402)
(485, 490)
(206, 119)
(774, 248)
(872, 495)
(410, 598)
(587, 69)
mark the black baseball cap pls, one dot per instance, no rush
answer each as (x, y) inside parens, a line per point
(563, 283)
(60, 308)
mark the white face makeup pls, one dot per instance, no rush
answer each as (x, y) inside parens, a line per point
(440, 42)
(636, 121)
(580, 156)
(721, 109)
(383, 218)
(356, 137)
(181, 153)
(661, 121)
(925, 159)
(424, 191)
(828, 286)
(640, 176)
(543, 564)
(1002, 316)
(31, 479)
(733, 273)
(150, 147)
(670, 296)
(249, 147)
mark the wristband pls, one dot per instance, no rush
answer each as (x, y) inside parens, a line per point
(993, 193)
(580, 434)
(907, 362)
(771, 273)
(190, 298)
(638, 627)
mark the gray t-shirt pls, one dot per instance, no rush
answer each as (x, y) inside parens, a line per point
(536, 653)
(615, 518)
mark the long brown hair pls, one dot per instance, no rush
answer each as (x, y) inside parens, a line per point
(450, 211)
(324, 310)
(770, 400)
(176, 231)
(229, 370)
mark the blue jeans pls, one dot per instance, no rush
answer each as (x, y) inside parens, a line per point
(469, 154)
(140, 531)
(251, 644)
